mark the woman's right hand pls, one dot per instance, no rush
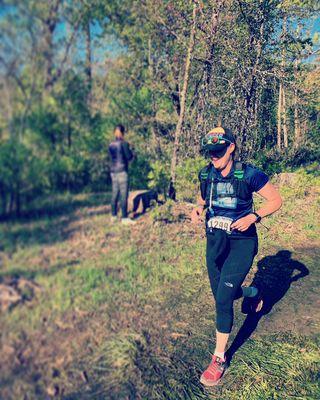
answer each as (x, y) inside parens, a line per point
(196, 215)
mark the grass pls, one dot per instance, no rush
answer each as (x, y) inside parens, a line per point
(137, 321)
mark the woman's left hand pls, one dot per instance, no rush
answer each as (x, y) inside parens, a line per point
(242, 224)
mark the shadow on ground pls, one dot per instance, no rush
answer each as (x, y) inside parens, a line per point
(16, 273)
(57, 206)
(49, 222)
(274, 277)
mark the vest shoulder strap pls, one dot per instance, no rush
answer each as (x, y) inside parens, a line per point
(204, 172)
(241, 185)
(239, 168)
(203, 178)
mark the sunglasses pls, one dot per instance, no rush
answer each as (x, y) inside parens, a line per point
(213, 138)
(216, 154)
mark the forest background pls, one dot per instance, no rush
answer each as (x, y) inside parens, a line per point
(91, 309)
(70, 70)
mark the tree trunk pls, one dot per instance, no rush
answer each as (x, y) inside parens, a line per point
(297, 126)
(154, 129)
(48, 57)
(203, 92)
(3, 201)
(279, 119)
(183, 96)
(304, 127)
(281, 103)
(284, 118)
(251, 97)
(11, 202)
(213, 31)
(18, 201)
(50, 24)
(69, 139)
(88, 65)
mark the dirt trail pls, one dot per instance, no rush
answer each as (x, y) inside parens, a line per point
(178, 317)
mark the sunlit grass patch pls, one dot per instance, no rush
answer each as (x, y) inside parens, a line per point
(147, 289)
(282, 366)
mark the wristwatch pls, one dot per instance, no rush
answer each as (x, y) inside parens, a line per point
(257, 215)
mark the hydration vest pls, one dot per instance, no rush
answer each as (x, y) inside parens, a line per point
(208, 176)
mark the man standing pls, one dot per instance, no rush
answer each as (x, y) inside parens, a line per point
(121, 155)
(226, 187)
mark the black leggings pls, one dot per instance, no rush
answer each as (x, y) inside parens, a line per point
(228, 262)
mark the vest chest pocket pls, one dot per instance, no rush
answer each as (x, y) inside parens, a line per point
(222, 194)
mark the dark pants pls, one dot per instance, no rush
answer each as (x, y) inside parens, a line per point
(119, 188)
(228, 262)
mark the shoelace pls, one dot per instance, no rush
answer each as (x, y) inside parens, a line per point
(215, 366)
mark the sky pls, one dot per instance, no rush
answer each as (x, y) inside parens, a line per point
(113, 48)
(109, 47)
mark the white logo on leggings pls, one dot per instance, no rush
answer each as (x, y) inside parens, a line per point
(228, 284)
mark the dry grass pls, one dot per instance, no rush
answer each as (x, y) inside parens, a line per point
(138, 323)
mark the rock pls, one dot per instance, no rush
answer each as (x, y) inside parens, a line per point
(23, 284)
(286, 178)
(7, 350)
(8, 296)
(53, 390)
(176, 335)
(84, 377)
(13, 291)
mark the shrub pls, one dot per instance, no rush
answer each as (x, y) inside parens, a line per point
(300, 185)
(22, 176)
(163, 212)
(139, 171)
(159, 176)
(187, 183)
(274, 161)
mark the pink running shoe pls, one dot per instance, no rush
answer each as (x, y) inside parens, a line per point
(213, 374)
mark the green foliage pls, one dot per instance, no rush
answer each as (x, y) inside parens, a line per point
(301, 184)
(159, 176)
(163, 213)
(274, 161)
(187, 178)
(63, 108)
(271, 162)
(22, 175)
(140, 170)
(86, 285)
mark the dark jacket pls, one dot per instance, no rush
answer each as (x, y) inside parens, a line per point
(120, 154)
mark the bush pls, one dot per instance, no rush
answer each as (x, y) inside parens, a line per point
(163, 212)
(187, 183)
(159, 176)
(22, 176)
(302, 182)
(270, 161)
(139, 170)
(274, 161)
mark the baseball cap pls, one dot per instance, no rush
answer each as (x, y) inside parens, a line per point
(217, 140)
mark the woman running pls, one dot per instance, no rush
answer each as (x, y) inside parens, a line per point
(226, 189)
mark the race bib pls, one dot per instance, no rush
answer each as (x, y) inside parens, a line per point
(218, 222)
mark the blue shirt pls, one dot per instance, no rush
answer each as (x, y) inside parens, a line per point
(224, 203)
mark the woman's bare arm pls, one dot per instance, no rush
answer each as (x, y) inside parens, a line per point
(273, 200)
(272, 204)
(197, 212)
